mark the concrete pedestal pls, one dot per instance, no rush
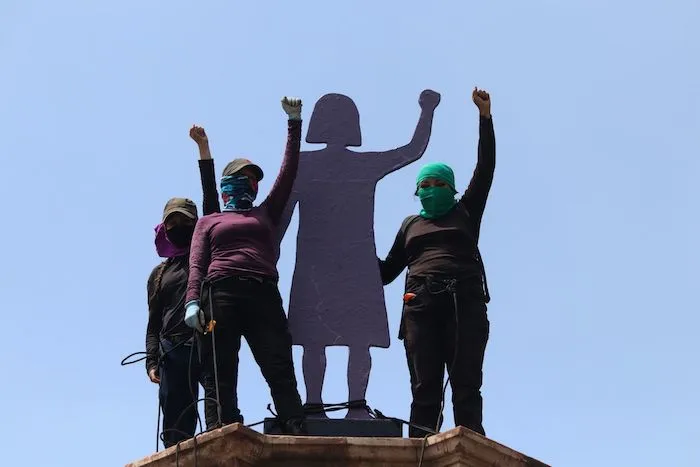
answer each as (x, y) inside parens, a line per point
(238, 446)
(342, 427)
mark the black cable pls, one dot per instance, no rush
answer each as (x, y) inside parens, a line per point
(423, 445)
(374, 413)
(177, 446)
(377, 414)
(316, 409)
(189, 381)
(194, 403)
(322, 408)
(159, 434)
(216, 377)
(331, 407)
(195, 399)
(450, 286)
(158, 425)
(124, 360)
(210, 297)
(145, 355)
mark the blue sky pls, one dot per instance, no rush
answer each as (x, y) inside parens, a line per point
(590, 234)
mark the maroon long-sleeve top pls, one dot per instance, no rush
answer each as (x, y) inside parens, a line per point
(242, 243)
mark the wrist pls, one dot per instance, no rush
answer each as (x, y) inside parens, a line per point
(294, 117)
(204, 152)
(485, 114)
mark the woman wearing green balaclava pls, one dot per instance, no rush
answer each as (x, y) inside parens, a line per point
(444, 321)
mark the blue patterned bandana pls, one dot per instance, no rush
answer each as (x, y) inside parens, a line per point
(238, 193)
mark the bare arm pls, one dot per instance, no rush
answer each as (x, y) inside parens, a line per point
(200, 256)
(411, 152)
(279, 195)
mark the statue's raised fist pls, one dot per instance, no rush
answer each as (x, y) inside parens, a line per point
(429, 99)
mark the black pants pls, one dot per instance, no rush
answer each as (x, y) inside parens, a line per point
(179, 388)
(431, 338)
(252, 309)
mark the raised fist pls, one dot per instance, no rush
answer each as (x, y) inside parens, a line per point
(292, 107)
(429, 99)
(198, 135)
(483, 101)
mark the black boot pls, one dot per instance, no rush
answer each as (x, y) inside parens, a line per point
(294, 427)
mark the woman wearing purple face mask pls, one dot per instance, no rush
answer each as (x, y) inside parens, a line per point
(171, 358)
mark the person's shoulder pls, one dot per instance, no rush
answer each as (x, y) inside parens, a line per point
(154, 272)
(210, 218)
(461, 208)
(408, 221)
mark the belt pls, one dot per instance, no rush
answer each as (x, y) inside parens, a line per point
(447, 283)
(177, 339)
(254, 279)
(443, 279)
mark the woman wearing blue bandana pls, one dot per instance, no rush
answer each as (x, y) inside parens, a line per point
(444, 321)
(233, 281)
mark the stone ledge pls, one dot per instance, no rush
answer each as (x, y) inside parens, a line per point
(238, 446)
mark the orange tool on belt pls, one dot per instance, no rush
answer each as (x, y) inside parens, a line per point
(408, 296)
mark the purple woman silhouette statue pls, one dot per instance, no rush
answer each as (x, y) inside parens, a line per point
(337, 298)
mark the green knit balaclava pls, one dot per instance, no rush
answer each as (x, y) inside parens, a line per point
(436, 200)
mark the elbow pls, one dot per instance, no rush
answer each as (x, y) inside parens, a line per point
(387, 280)
(382, 272)
(386, 277)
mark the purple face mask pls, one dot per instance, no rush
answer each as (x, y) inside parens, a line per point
(165, 247)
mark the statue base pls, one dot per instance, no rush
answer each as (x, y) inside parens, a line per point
(344, 427)
(236, 445)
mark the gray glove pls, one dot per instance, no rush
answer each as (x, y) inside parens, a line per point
(292, 107)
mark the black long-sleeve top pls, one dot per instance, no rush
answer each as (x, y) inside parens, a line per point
(166, 312)
(447, 246)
